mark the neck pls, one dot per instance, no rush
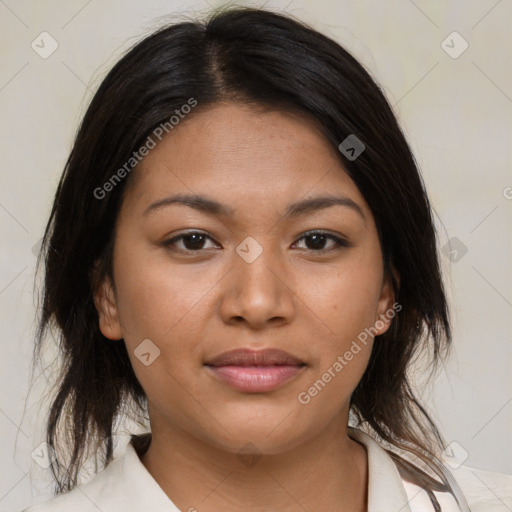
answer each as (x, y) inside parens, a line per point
(320, 473)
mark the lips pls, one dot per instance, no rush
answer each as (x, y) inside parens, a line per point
(255, 371)
(248, 357)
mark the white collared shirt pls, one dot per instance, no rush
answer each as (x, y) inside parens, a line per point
(127, 486)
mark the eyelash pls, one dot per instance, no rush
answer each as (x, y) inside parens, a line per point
(341, 243)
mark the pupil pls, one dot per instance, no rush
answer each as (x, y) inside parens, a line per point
(196, 240)
(320, 239)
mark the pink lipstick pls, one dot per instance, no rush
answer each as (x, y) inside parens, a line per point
(254, 371)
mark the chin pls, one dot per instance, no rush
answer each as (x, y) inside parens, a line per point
(271, 433)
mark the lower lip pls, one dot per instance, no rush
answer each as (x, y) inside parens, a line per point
(256, 379)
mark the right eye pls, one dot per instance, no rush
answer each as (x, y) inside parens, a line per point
(192, 240)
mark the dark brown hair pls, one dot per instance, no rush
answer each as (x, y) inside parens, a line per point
(257, 57)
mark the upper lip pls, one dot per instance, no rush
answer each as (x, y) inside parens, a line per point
(251, 357)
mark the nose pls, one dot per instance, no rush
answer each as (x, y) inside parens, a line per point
(258, 293)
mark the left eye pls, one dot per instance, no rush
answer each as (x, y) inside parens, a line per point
(319, 238)
(194, 241)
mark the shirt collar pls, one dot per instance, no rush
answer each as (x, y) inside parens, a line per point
(385, 486)
(140, 489)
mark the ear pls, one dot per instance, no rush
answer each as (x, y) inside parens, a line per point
(105, 302)
(387, 308)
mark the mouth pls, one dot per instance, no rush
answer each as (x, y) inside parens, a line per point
(253, 371)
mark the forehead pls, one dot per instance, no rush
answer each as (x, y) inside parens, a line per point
(238, 153)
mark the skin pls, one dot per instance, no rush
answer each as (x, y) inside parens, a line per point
(296, 296)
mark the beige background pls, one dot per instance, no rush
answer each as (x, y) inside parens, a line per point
(456, 113)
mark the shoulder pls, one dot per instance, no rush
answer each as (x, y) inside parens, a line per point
(125, 484)
(484, 491)
(86, 497)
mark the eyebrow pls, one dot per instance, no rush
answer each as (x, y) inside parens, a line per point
(212, 207)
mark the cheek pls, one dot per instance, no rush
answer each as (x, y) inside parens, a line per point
(344, 306)
(343, 343)
(332, 385)
(165, 304)
(344, 297)
(156, 298)
(162, 303)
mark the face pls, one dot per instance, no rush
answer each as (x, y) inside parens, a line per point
(191, 284)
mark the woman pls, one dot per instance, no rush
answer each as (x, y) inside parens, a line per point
(241, 244)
